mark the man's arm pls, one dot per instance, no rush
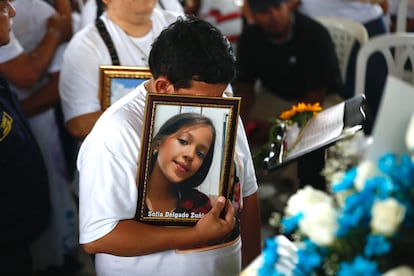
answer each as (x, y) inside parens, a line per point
(43, 99)
(80, 126)
(250, 224)
(64, 8)
(27, 68)
(133, 238)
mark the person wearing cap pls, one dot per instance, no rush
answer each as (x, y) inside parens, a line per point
(288, 58)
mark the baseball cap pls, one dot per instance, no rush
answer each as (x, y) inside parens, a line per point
(262, 5)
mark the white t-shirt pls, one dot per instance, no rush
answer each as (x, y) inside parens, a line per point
(11, 50)
(350, 9)
(79, 78)
(107, 164)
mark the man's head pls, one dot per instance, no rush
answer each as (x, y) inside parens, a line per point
(273, 16)
(6, 13)
(192, 52)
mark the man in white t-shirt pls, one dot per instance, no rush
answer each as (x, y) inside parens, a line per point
(108, 161)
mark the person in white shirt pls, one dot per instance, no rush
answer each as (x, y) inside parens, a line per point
(132, 28)
(90, 10)
(108, 161)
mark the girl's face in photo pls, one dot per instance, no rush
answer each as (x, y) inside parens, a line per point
(181, 154)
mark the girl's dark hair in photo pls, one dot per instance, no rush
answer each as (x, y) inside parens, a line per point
(173, 125)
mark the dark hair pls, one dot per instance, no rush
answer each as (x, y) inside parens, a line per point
(173, 125)
(192, 49)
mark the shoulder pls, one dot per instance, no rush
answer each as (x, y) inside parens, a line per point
(252, 29)
(86, 38)
(306, 21)
(123, 117)
(310, 28)
(251, 32)
(165, 17)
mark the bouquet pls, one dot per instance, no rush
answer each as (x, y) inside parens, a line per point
(364, 224)
(285, 132)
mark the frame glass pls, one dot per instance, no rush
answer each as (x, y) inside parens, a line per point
(185, 203)
(117, 81)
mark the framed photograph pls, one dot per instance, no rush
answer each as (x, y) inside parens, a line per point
(186, 158)
(117, 81)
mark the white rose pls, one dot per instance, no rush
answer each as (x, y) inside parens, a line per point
(305, 197)
(365, 170)
(387, 216)
(319, 223)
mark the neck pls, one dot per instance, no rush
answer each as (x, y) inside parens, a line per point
(139, 27)
(159, 195)
(158, 184)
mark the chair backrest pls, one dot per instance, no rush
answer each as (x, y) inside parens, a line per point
(344, 33)
(402, 16)
(396, 48)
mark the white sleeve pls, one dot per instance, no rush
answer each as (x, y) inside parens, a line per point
(79, 75)
(248, 176)
(107, 164)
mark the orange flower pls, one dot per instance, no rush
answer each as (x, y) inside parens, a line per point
(301, 113)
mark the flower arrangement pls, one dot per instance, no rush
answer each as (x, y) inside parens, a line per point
(363, 226)
(300, 113)
(286, 131)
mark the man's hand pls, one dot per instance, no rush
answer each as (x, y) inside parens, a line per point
(212, 228)
(61, 25)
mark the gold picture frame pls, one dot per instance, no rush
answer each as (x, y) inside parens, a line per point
(117, 81)
(165, 112)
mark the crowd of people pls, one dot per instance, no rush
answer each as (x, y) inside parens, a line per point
(68, 168)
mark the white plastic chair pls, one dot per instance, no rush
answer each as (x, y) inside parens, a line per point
(344, 33)
(402, 16)
(396, 48)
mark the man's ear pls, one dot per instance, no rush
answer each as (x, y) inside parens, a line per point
(163, 86)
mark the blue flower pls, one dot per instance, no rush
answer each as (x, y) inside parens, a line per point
(308, 259)
(359, 267)
(377, 245)
(388, 163)
(270, 257)
(291, 223)
(347, 181)
(349, 220)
